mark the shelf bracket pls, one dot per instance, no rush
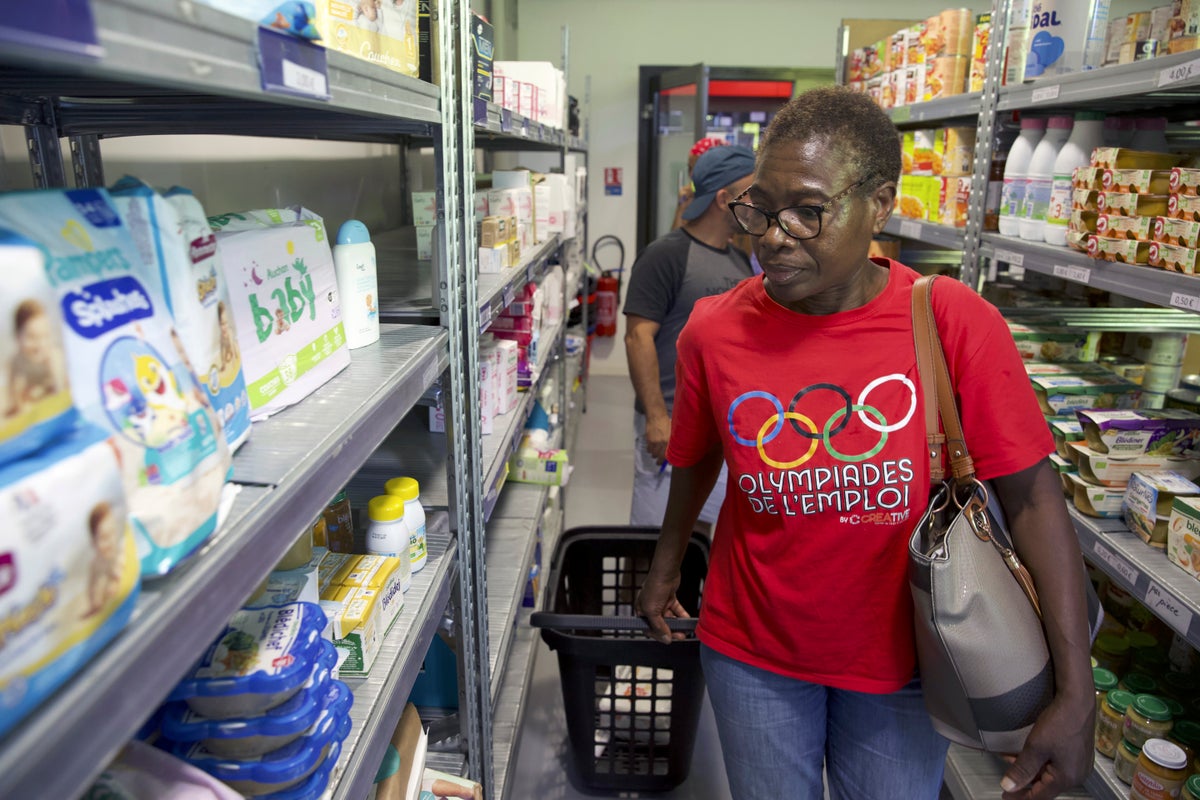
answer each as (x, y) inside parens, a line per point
(45, 154)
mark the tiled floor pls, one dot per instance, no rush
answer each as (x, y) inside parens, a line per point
(599, 494)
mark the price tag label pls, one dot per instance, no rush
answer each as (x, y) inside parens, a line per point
(485, 317)
(506, 122)
(67, 27)
(901, 114)
(1168, 607)
(292, 66)
(1077, 274)
(910, 230)
(1046, 93)
(1116, 563)
(509, 296)
(1188, 302)
(1009, 257)
(1180, 73)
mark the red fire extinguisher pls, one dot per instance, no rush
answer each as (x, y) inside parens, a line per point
(606, 305)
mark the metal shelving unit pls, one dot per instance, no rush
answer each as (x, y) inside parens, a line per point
(945, 109)
(972, 775)
(498, 290)
(1166, 80)
(945, 236)
(380, 698)
(1103, 782)
(290, 458)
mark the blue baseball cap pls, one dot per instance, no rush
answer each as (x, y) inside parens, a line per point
(715, 169)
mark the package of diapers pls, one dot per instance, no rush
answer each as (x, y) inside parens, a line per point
(128, 372)
(68, 565)
(173, 233)
(279, 270)
(35, 395)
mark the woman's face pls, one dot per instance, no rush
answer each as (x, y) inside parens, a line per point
(830, 266)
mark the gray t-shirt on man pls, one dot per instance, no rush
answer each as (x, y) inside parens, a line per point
(671, 274)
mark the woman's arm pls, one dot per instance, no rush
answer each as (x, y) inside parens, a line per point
(690, 488)
(1059, 751)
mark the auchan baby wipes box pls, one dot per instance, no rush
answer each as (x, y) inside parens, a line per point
(128, 372)
(68, 565)
(279, 269)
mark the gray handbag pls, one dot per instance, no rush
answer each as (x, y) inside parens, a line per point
(985, 666)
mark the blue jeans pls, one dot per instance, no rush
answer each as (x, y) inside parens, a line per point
(777, 733)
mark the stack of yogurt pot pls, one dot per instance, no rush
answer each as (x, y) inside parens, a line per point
(261, 710)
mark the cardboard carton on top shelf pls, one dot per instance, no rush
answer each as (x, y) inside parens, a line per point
(384, 34)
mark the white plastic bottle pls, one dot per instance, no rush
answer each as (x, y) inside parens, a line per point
(388, 535)
(357, 283)
(1036, 203)
(408, 490)
(1012, 195)
(1151, 135)
(1086, 136)
(1016, 46)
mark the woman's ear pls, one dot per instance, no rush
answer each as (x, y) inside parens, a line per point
(883, 201)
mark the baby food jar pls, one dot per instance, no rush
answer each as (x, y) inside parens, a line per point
(1150, 662)
(1139, 683)
(1161, 771)
(1147, 717)
(1111, 652)
(1179, 686)
(1191, 789)
(1110, 722)
(1125, 761)
(1186, 734)
(1105, 681)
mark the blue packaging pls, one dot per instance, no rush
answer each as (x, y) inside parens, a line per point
(262, 658)
(248, 737)
(280, 769)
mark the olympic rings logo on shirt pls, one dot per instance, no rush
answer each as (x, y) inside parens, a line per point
(868, 414)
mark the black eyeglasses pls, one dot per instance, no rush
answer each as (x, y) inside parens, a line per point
(798, 222)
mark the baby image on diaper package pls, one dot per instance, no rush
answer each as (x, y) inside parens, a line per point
(68, 565)
(173, 233)
(35, 395)
(279, 269)
(128, 371)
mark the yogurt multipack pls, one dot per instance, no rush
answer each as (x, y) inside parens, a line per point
(68, 565)
(282, 769)
(128, 372)
(35, 393)
(286, 312)
(262, 658)
(173, 233)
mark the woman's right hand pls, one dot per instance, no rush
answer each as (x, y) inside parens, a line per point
(657, 603)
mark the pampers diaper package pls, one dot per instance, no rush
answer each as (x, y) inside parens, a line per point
(68, 565)
(173, 233)
(35, 396)
(128, 374)
(279, 269)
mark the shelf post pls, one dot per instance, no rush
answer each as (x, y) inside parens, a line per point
(86, 161)
(45, 154)
(460, 315)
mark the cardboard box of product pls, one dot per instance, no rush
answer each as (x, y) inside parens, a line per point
(509, 361)
(483, 45)
(1095, 501)
(1078, 240)
(1138, 181)
(1114, 226)
(1125, 158)
(1183, 534)
(1184, 180)
(1182, 206)
(424, 208)
(953, 151)
(854, 65)
(1055, 344)
(1183, 31)
(1160, 25)
(1062, 394)
(914, 83)
(1157, 432)
(1181, 232)
(1104, 469)
(1131, 204)
(363, 610)
(1085, 200)
(545, 467)
(382, 33)
(425, 242)
(1065, 430)
(955, 201)
(1124, 251)
(979, 45)
(1091, 178)
(1175, 258)
(1083, 222)
(1148, 501)
(946, 76)
(1114, 37)
(493, 260)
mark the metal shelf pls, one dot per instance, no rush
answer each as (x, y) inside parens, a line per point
(188, 68)
(1103, 782)
(1164, 81)
(510, 546)
(498, 128)
(1149, 284)
(973, 775)
(380, 698)
(299, 458)
(405, 283)
(497, 291)
(928, 232)
(961, 106)
(1144, 571)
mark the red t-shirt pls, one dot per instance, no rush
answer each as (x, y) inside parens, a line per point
(821, 422)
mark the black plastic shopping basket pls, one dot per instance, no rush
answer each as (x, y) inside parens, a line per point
(632, 704)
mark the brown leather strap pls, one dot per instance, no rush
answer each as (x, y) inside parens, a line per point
(937, 389)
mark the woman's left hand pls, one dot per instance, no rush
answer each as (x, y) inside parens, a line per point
(1058, 753)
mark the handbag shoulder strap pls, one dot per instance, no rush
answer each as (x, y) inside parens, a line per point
(937, 389)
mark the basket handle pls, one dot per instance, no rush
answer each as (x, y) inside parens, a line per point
(595, 622)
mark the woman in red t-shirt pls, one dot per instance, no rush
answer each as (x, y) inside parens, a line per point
(803, 381)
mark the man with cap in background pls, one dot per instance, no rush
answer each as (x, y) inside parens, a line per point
(670, 275)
